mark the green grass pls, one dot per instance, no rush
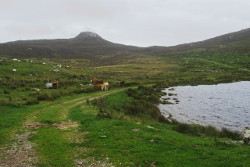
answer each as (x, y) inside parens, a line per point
(117, 139)
(161, 145)
(123, 145)
(53, 148)
(11, 119)
(117, 99)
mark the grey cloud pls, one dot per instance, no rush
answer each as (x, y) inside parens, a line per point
(140, 22)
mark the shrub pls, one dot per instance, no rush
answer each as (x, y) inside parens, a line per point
(131, 92)
(161, 85)
(131, 83)
(3, 102)
(162, 119)
(104, 113)
(17, 104)
(94, 101)
(91, 89)
(140, 87)
(23, 97)
(87, 101)
(134, 107)
(5, 91)
(78, 91)
(32, 101)
(54, 95)
(13, 86)
(154, 99)
(43, 96)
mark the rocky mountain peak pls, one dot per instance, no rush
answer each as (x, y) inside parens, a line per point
(87, 35)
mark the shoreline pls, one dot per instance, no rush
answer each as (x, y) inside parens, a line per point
(208, 116)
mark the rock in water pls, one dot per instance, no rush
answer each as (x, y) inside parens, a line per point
(246, 136)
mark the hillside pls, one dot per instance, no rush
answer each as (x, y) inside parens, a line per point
(86, 45)
(224, 41)
(91, 46)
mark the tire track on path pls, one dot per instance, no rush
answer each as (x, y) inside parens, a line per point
(21, 151)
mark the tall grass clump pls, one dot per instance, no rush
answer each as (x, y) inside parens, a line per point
(104, 110)
(205, 131)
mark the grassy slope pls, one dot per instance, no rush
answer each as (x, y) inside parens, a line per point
(160, 145)
(115, 140)
(121, 145)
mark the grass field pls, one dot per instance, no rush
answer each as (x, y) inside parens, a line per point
(57, 127)
(97, 141)
(21, 87)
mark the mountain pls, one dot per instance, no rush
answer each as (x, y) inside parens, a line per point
(85, 45)
(88, 36)
(91, 46)
(220, 41)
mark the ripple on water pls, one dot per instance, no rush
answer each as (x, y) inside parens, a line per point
(222, 105)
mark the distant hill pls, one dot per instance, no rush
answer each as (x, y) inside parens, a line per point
(220, 41)
(85, 45)
(91, 46)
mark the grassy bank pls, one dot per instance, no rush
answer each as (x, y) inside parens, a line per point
(145, 143)
(118, 138)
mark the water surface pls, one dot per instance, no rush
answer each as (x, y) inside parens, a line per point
(222, 105)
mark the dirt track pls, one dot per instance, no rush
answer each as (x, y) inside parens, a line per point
(21, 152)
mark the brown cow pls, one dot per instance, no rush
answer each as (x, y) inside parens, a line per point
(55, 84)
(122, 83)
(95, 81)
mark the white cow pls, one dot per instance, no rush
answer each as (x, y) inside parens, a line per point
(49, 85)
(14, 70)
(105, 86)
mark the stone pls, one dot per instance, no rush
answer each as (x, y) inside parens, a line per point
(246, 136)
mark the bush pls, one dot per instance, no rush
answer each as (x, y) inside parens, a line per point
(91, 89)
(104, 114)
(54, 95)
(5, 91)
(134, 107)
(131, 92)
(162, 119)
(78, 91)
(161, 85)
(32, 101)
(154, 99)
(131, 83)
(104, 111)
(3, 102)
(17, 104)
(13, 86)
(140, 87)
(94, 101)
(43, 96)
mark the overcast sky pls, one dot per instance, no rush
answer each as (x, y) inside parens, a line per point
(132, 22)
